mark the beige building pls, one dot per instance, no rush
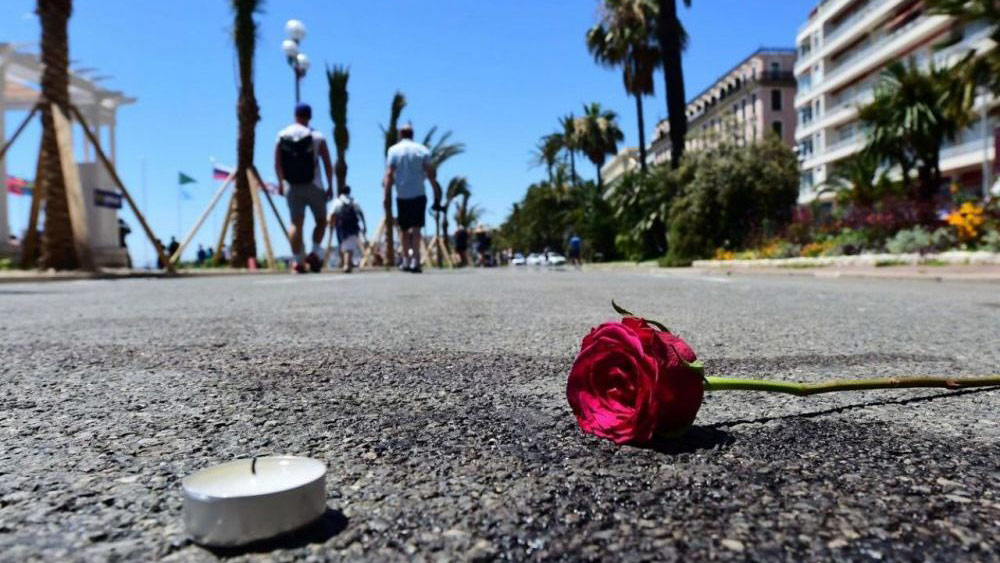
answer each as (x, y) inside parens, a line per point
(751, 100)
(624, 162)
(843, 48)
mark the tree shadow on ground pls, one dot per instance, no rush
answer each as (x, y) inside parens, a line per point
(331, 523)
(844, 408)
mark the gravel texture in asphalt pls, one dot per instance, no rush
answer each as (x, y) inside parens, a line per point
(438, 403)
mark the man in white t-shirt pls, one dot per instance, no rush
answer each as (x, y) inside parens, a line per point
(349, 222)
(408, 165)
(296, 162)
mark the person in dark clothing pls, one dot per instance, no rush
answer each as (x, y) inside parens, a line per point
(462, 246)
(172, 247)
(482, 246)
(575, 245)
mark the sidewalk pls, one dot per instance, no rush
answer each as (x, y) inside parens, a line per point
(30, 276)
(967, 273)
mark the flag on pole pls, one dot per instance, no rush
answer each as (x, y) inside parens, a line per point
(221, 172)
(19, 186)
(183, 178)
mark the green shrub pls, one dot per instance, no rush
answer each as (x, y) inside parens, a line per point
(991, 241)
(6, 264)
(909, 241)
(731, 197)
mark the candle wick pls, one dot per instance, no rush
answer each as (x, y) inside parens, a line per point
(253, 466)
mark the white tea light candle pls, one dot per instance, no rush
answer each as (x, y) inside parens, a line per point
(248, 500)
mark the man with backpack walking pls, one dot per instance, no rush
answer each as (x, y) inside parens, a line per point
(296, 161)
(349, 222)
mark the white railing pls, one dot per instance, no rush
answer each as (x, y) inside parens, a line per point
(855, 139)
(967, 146)
(854, 18)
(843, 65)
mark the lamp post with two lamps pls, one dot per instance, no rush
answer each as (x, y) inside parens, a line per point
(296, 32)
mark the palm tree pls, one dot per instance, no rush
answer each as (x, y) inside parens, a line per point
(58, 250)
(980, 68)
(672, 39)
(911, 116)
(599, 135)
(337, 78)
(858, 180)
(248, 114)
(457, 187)
(441, 150)
(626, 37)
(467, 216)
(391, 135)
(547, 151)
(570, 141)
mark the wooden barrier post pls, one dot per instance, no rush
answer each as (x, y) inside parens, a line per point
(194, 230)
(118, 181)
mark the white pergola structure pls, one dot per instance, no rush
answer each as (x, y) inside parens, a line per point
(20, 75)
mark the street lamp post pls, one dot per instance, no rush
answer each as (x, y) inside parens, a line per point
(296, 32)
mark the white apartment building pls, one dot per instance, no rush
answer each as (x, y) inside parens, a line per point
(843, 48)
(627, 160)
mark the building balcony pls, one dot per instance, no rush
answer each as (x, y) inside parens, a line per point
(879, 52)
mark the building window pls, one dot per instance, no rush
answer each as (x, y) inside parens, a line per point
(743, 109)
(775, 68)
(776, 127)
(753, 104)
(806, 182)
(776, 100)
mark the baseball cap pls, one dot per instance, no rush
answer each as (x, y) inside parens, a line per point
(303, 110)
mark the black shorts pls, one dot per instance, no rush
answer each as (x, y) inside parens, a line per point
(410, 212)
(574, 253)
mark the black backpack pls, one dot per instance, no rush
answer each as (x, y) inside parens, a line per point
(298, 159)
(347, 220)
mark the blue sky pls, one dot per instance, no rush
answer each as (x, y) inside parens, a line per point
(498, 74)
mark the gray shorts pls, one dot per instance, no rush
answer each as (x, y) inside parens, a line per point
(300, 196)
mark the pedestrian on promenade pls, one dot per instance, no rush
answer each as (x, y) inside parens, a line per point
(575, 245)
(349, 221)
(482, 247)
(462, 246)
(296, 161)
(408, 164)
(172, 247)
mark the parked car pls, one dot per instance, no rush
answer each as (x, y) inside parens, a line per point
(518, 260)
(534, 259)
(555, 259)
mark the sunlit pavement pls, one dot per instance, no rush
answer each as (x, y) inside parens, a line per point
(438, 403)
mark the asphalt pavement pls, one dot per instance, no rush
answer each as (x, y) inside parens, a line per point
(438, 403)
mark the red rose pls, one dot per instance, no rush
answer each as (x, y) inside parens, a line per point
(631, 381)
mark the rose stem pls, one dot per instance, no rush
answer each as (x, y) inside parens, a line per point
(803, 389)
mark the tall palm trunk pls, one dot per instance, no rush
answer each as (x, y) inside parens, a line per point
(337, 78)
(572, 166)
(248, 114)
(600, 180)
(58, 250)
(444, 225)
(391, 138)
(671, 36)
(642, 132)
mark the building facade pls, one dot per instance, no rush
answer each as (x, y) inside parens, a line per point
(843, 48)
(624, 162)
(750, 101)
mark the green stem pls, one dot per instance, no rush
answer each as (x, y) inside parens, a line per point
(803, 389)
